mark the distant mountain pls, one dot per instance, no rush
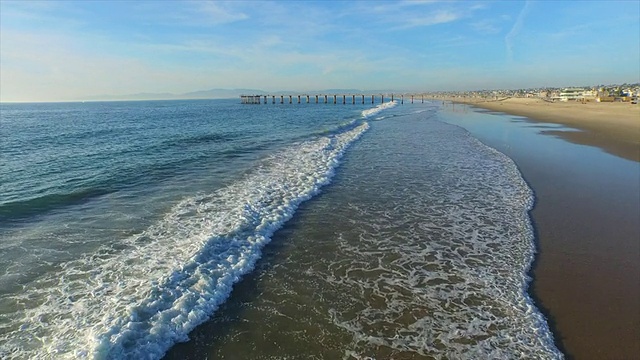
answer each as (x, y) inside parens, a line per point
(225, 94)
(340, 91)
(138, 96)
(220, 93)
(202, 94)
(355, 91)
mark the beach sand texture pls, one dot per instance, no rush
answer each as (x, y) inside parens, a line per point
(613, 127)
(587, 215)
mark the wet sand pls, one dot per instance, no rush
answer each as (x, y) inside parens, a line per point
(587, 276)
(587, 221)
(613, 127)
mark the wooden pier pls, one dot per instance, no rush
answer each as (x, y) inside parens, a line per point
(329, 98)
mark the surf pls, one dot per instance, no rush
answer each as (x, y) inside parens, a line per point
(144, 293)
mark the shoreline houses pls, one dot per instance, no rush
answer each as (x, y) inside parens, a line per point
(576, 94)
(598, 95)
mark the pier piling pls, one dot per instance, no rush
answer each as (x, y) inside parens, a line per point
(264, 98)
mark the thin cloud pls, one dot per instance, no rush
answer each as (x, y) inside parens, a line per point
(387, 7)
(419, 2)
(486, 27)
(438, 17)
(478, 7)
(189, 13)
(218, 13)
(452, 42)
(515, 30)
(412, 14)
(42, 13)
(270, 41)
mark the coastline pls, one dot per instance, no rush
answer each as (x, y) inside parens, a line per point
(613, 127)
(586, 278)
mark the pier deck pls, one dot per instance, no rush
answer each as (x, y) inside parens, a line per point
(328, 98)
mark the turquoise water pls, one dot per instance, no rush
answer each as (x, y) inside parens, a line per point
(124, 227)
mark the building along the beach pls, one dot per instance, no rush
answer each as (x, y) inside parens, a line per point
(571, 94)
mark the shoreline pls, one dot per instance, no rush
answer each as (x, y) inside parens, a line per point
(612, 127)
(585, 275)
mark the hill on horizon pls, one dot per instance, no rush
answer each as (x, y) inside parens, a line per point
(218, 93)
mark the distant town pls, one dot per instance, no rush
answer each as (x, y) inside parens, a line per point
(598, 93)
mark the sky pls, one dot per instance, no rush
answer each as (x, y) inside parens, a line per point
(69, 50)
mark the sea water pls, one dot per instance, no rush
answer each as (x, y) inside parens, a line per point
(125, 225)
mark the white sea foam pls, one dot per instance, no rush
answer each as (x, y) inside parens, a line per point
(426, 256)
(137, 299)
(441, 271)
(376, 110)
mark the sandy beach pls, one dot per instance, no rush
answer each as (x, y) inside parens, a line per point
(586, 278)
(613, 127)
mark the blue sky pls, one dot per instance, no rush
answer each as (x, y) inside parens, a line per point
(53, 51)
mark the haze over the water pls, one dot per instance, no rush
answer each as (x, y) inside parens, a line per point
(57, 51)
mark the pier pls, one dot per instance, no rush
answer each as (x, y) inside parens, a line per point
(329, 98)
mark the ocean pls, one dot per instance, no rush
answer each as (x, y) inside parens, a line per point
(213, 229)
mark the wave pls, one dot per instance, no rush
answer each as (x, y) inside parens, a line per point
(189, 141)
(41, 204)
(376, 110)
(137, 299)
(105, 173)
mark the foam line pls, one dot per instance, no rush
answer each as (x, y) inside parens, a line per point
(376, 110)
(138, 299)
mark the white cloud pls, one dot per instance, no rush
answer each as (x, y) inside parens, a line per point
(186, 13)
(218, 13)
(434, 18)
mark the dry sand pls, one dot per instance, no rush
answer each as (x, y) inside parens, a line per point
(613, 127)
